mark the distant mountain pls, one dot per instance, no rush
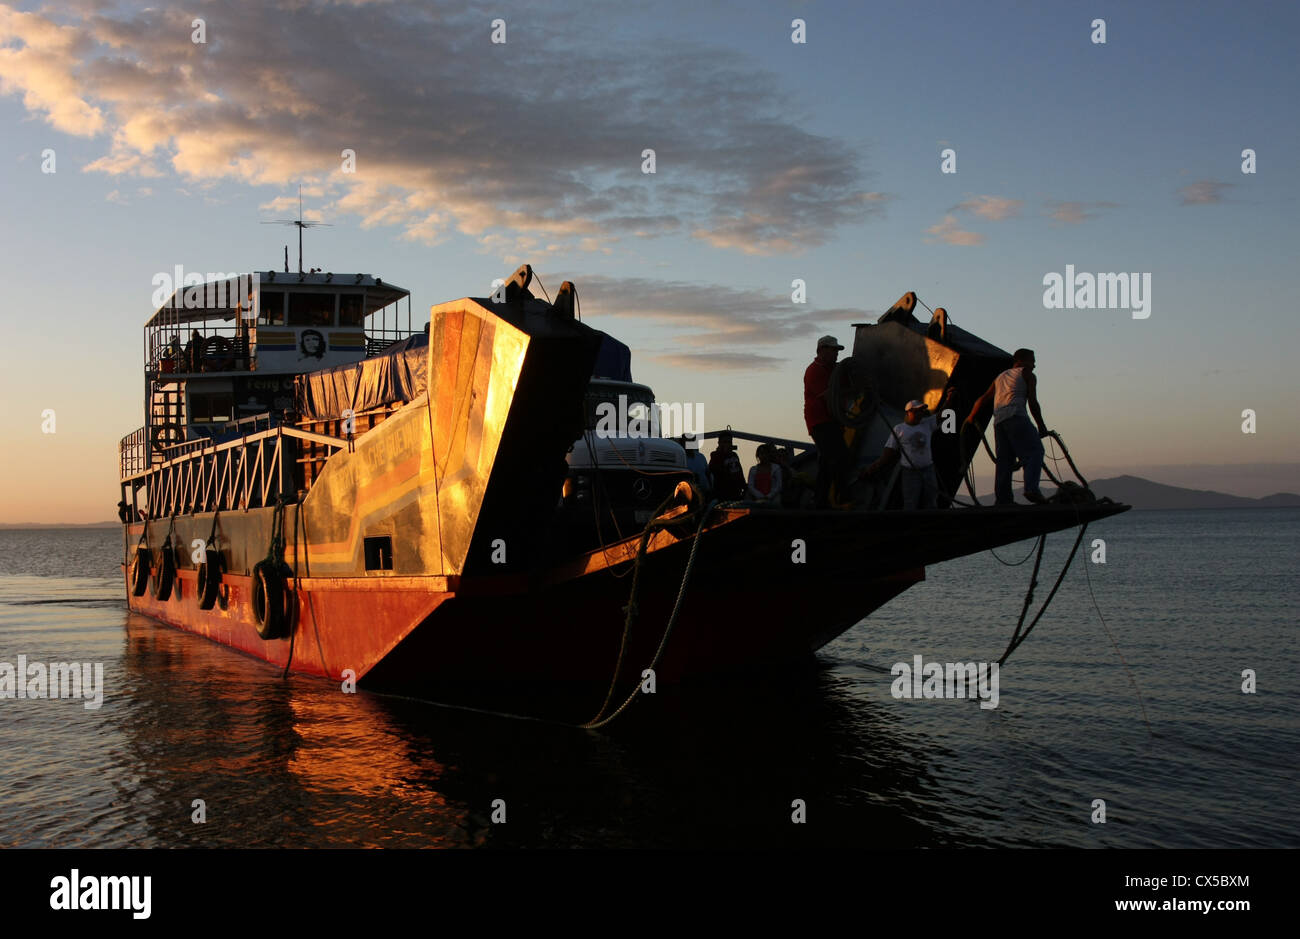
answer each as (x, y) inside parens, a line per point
(1145, 494)
(1279, 499)
(1132, 490)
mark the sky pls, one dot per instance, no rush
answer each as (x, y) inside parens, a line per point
(775, 160)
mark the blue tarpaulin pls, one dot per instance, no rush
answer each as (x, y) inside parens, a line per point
(613, 360)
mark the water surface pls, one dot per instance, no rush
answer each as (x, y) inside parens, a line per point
(1190, 599)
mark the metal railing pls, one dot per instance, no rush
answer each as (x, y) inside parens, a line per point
(171, 351)
(133, 453)
(252, 472)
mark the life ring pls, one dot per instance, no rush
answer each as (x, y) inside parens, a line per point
(163, 573)
(139, 571)
(210, 572)
(219, 353)
(165, 435)
(269, 599)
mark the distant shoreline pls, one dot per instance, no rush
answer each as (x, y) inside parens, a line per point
(42, 526)
(103, 526)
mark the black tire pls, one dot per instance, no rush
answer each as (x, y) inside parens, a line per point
(138, 574)
(210, 572)
(162, 575)
(269, 600)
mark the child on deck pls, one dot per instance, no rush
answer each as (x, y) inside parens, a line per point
(765, 478)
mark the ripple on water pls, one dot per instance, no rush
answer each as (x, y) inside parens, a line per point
(1189, 598)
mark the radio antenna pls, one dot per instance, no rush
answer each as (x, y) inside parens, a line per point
(300, 225)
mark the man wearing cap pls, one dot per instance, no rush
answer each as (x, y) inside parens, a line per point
(725, 469)
(826, 432)
(910, 442)
(1014, 435)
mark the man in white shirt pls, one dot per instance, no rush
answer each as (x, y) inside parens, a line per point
(1011, 393)
(920, 485)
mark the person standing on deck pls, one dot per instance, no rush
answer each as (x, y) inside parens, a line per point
(725, 470)
(826, 432)
(910, 443)
(697, 464)
(1012, 432)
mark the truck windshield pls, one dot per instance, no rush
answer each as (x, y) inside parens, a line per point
(611, 402)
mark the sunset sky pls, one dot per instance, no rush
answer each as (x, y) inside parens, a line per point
(775, 160)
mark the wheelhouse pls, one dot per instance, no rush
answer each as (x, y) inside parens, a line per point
(221, 354)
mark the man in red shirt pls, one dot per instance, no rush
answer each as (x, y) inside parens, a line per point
(826, 432)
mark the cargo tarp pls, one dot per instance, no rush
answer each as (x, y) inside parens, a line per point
(613, 360)
(400, 374)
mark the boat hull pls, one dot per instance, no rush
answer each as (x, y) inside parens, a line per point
(766, 589)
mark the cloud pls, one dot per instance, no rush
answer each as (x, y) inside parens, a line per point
(993, 208)
(949, 232)
(1075, 213)
(720, 361)
(35, 68)
(709, 314)
(1204, 192)
(538, 141)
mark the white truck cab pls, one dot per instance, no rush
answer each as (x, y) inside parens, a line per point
(633, 470)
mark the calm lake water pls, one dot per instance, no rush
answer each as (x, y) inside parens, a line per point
(1191, 599)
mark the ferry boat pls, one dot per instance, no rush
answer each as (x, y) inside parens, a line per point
(322, 486)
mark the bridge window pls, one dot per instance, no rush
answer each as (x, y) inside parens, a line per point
(311, 309)
(270, 309)
(351, 310)
(211, 408)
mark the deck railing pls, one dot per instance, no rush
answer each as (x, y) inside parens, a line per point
(252, 472)
(133, 453)
(168, 350)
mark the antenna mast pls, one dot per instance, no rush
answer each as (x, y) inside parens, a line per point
(300, 224)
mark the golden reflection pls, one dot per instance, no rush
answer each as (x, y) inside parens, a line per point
(206, 722)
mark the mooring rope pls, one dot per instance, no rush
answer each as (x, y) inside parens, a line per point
(212, 535)
(600, 720)
(1114, 645)
(1018, 637)
(293, 625)
(596, 723)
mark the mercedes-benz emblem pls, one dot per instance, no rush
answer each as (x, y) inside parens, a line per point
(641, 489)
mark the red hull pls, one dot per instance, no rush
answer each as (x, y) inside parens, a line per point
(343, 623)
(749, 603)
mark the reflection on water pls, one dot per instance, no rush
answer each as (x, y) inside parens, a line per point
(277, 762)
(297, 763)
